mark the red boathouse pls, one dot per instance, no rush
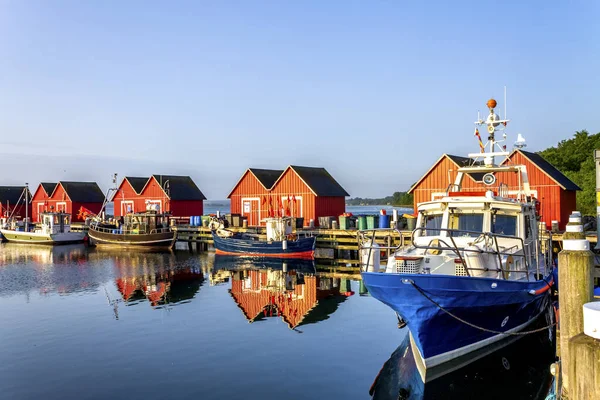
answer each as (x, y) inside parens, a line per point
(556, 193)
(68, 197)
(170, 193)
(306, 192)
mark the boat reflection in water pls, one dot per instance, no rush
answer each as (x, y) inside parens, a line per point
(520, 370)
(42, 255)
(157, 278)
(286, 288)
(46, 269)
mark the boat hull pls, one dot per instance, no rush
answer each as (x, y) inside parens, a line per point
(164, 240)
(43, 238)
(300, 248)
(492, 304)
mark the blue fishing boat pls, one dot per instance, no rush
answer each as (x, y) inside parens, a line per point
(280, 243)
(477, 270)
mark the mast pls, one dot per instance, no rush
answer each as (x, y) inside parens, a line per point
(26, 204)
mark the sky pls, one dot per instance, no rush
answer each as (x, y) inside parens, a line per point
(373, 91)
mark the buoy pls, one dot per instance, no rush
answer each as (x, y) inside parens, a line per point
(284, 244)
(591, 319)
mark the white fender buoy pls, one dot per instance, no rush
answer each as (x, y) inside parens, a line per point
(591, 319)
(284, 244)
(371, 256)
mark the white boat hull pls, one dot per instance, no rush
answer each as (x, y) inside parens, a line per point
(42, 238)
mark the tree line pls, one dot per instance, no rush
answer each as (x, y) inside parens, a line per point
(397, 199)
(575, 158)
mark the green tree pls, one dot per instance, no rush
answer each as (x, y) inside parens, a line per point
(574, 157)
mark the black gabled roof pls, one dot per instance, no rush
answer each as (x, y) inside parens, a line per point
(48, 187)
(465, 162)
(550, 170)
(83, 192)
(267, 177)
(319, 181)
(137, 183)
(180, 187)
(12, 195)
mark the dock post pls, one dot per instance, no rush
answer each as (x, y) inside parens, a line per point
(575, 279)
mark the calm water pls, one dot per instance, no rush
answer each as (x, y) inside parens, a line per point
(89, 324)
(81, 323)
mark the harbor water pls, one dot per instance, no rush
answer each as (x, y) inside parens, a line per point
(86, 323)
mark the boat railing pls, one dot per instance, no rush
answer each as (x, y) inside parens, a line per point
(448, 243)
(490, 246)
(363, 237)
(128, 231)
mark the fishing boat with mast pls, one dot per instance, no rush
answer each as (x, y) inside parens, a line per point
(54, 228)
(477, 270)
(149, 229)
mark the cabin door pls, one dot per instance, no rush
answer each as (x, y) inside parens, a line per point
(251, 209)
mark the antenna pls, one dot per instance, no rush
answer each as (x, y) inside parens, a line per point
(504, 102)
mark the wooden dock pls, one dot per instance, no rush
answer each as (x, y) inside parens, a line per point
(335, 247)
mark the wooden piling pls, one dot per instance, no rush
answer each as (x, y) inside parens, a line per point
(584, 368)
(575, 287)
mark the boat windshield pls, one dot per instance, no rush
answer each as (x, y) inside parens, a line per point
(466, 221)
(504, 224)
(432, 223)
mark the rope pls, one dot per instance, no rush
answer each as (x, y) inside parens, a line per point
(476, 326)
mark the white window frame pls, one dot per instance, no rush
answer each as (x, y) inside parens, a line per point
(159, 202)
(126, 203)
(40, 209)
(63, 204)
(250, 199)
(298, 201)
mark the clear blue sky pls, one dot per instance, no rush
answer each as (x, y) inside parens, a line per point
(374, 91)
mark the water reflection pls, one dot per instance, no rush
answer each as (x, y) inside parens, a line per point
(158, 285)
(520, 370)
(289, 289)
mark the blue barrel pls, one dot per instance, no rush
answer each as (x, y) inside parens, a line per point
(192, 220)
(114, 231)
(196, 220)
(384, 221)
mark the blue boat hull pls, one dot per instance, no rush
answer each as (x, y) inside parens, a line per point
(300, 248)
(492, 305)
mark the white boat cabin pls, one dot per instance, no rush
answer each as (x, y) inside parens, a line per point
(471, 234)
(54, 222)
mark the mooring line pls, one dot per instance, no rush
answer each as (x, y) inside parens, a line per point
(476, 326)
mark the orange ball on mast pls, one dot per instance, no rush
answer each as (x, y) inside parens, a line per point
(492, 103)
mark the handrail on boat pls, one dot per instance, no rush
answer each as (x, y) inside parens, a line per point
(143, 230)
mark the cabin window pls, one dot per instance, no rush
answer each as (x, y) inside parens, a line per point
(504, 224)
(466, 222)
(432, 224)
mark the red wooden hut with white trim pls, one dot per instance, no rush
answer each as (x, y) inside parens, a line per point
(249, 193)
(68, 197)
(556, 192)
(297, 191)
(178, 195)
